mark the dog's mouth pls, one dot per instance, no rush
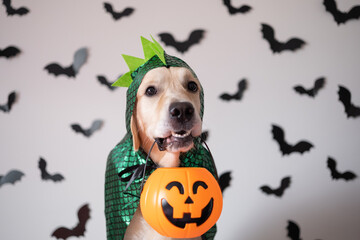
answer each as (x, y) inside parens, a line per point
(177, 140)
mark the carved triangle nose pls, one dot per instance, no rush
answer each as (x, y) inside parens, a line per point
(189, 200)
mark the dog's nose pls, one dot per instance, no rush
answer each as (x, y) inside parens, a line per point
(182, 111)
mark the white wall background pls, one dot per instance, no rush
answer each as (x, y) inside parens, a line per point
(240, 131)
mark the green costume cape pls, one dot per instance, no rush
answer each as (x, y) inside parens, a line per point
(120, 205)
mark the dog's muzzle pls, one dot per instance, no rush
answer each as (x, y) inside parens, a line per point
(181, 116)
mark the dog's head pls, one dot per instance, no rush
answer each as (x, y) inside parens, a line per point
(167, 109)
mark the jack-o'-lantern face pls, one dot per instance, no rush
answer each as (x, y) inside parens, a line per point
(181, 202)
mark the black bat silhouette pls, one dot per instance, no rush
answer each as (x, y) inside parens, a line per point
(79, 229)
(195, 37)
(104, 81)
(80, 57)
(341, 17)
(319, 83)
(96, 125)
(224, 180)
(335, 174)
(293, 230)
(345, 97)
(117, 15)
(233, 10)
(12, 11)
(11, 177)
(47, 176)
(9, 52)
(285, 183)
(242, 85)
(292, 45)
(56, 69)
(7, 106)
(204, 135)
(285, 148)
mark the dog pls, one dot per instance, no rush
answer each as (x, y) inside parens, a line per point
(167, 110)
(164, 106)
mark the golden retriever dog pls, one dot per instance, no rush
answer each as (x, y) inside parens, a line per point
(167, 110)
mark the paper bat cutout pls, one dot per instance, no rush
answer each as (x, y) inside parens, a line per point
(79, 229)
(285, 183)
(12, 11)
(9, 52)
(47, 176)
(335, 174)
(195, 37)
(242, 85)
(233, 10)
(285, 148)
(80, 57)
(11, 177)
(312, 92)
(7, 106)
(104, 81)
(117, 15)
(205, 135)
(341, 17)
(293, 230)
(224, 180)
(96, 125)
(345, 97)
(292, 44)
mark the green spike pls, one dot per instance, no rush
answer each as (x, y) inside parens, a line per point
(158, 46)
(159, 50)
(147, 48)
(133, 62)
(151, 49)
(123, 81)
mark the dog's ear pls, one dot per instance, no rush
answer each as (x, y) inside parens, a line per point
(135, 133)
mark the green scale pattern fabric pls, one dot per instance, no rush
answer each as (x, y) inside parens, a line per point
(120, 206)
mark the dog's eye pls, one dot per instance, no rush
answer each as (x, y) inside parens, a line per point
(192, 86)
(150, 91)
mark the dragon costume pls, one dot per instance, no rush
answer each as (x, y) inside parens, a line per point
(122, 194)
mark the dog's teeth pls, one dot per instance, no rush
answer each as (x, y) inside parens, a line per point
(181, 135)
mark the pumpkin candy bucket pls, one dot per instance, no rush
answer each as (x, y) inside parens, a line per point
(182, 202)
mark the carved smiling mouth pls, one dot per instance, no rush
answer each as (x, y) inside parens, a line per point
(181, 222)
(176, 140)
